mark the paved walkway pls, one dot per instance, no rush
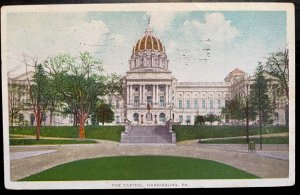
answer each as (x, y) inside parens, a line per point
(236, 155)
(251, 136)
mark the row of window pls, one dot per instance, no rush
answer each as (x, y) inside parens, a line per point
(149, 101)
(196, 106)
(162, 117)
(149, 88)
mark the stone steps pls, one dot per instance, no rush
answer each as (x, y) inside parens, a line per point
(158, 134)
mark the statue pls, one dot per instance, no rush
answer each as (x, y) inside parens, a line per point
(148, 107)
(148, 115)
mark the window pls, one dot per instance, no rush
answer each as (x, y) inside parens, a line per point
(211, 104)
(188, 119)
(180, 118)
(161, 101)
(136, 89)
(172, 97)
(203, 103)
(196, 104)
(162, 117)
(136, 101)
(117, 119)
(136, 117)
(219, 103)
(161, 88)
(180, 104)
(188, 104)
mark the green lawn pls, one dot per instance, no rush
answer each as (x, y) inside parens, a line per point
(48, 141)
(268, 140)
(184, 132)
(140, 168)
(112, 133)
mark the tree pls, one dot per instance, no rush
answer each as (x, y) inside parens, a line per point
(105, 113)
(37, 90)
(277, 65)
(199, 120)
(234, 108)
(260, 100)
(15, 105)
(211, 118)
(81, 82)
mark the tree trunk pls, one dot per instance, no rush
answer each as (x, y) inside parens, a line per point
(12, 119)
(38, 123)
(260, 134)
(81, 126)
(51, 116)
(247, 121)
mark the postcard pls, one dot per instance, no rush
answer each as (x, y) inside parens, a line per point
(149, 95)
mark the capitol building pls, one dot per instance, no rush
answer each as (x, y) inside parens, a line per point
(152, 95)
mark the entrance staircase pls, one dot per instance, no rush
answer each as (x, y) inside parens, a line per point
(155, 134)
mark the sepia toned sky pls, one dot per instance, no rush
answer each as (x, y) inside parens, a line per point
(201, 46)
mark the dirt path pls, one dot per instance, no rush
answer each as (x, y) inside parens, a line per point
(232, 154)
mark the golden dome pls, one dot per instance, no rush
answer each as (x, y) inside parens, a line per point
(149, 42)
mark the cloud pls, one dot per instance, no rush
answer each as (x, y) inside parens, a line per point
(84, 36)
(215, 27)
(161, 23)
(117, 40)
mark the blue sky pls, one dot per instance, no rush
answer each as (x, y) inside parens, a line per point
(233, 39)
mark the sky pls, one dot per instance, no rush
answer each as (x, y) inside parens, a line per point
(201, 46)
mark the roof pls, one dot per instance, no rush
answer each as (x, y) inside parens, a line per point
(148, 41)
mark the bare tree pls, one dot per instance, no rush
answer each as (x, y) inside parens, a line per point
(277, 65)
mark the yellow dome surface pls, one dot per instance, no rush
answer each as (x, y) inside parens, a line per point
(149, 42)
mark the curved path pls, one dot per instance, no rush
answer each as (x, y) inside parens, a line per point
(269, 164)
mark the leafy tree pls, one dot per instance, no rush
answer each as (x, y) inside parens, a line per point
(234, 108)
(199, 120)
(260, 100)
(211, 118)
(104, 113)
(38, 95)
(81, 82)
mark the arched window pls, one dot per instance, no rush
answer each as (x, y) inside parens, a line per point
(136, 117)
(162, 117)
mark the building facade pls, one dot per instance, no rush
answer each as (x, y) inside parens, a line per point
(154, 96)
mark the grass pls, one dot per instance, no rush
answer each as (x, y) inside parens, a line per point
(267, 140)
(48, 141)
(183, 132)
(112, 133)
(140, 168)
(190, 132)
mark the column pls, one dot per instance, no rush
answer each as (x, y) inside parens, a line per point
(142, 100)
(156, 95)
(129, 98)
(144, 95)
(140, 93)
(166, 94)
(128, 101)
(153, 94)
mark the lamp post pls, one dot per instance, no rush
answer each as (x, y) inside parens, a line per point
(247, 111)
